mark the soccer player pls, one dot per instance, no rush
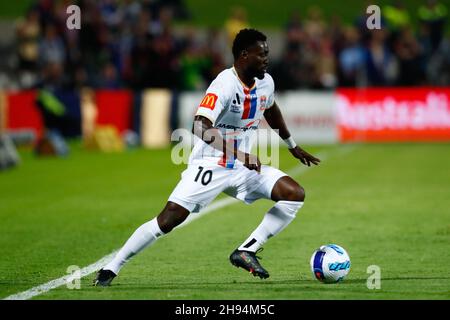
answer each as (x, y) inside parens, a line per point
(221, 161)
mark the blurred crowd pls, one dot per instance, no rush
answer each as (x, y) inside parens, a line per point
(120, 43)
(326, 54)
(136, 44)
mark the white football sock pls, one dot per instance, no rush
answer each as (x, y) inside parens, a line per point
(145, 235)
(275, 220)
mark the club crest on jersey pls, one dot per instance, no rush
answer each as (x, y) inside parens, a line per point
(262, 102)
(209, 101)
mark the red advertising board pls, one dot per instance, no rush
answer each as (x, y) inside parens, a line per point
(393, 114)
(22, 112)
(114, 108)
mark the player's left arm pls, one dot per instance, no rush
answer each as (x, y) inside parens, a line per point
(275, 120)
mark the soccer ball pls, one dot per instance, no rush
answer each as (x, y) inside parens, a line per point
(330, 263)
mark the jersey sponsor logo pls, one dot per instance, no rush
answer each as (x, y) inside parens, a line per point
(209, 101)
(235, 109)
(250, 126)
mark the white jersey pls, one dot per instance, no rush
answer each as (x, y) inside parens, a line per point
(236, 111)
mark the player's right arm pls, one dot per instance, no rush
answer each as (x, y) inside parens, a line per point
(218, 95)
(204, 129)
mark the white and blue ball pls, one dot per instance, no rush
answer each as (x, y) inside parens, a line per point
(330, 263)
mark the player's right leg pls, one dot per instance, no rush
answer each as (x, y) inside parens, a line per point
(172, 215)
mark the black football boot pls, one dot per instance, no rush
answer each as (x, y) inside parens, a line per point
(248, 261)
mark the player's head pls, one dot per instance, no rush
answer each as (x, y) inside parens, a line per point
(251, 52)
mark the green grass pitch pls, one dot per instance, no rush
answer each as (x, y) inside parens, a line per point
(387, 204)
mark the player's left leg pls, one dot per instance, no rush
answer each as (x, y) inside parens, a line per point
(289, 197)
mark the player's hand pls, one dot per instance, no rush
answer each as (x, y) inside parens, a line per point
(250, 161)
(304, 156)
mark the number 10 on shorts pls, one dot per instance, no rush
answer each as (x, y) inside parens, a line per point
(205, 178)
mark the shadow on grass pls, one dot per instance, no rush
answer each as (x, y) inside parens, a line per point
(220, 285)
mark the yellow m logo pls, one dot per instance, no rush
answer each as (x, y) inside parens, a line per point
(209, 101)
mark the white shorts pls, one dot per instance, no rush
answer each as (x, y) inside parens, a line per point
(203, 181)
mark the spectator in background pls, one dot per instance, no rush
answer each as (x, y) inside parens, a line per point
(433, 16)
(140, 51)
(28, 31)
(54, 56)
(162, 72)
(352, 60)
(45, 9)
(51, 47)
(314, 25)
(90, 38)
(360, 22)
(53, 77)
(70, 37)
(314, 52)
(438, 68)
(288, 70)
(215, 48)
(308, 60)
(109, 78)
(424, 40)
(130, 12)
(193, 62)
(325, 64)
(408, 52)
(110, 13)
(295, 34)
(381, 65)
(396, 18)
(178, 8)
(162, 23)
(336, 31)
(235, 22)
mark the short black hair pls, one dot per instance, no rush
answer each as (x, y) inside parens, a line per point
(246, 38)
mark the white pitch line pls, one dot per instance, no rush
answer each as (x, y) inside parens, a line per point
(43, 288)
(53, 284)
